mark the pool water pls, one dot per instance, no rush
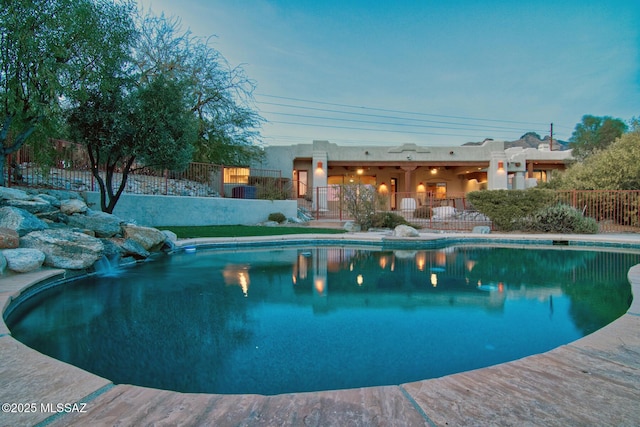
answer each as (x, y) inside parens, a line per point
(315, 318)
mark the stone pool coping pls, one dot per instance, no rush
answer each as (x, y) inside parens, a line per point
(591, 381)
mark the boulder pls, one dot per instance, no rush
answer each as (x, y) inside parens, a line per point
(73, 206)
(150, 238)
(9, 239)
(102, 223)
(131, 248)
(405, 231)
(351, 227)
(481, 229)
(170, 236)
(13, 194)
(20, 220)
(23, 260)
(34, 205)
(64, 248)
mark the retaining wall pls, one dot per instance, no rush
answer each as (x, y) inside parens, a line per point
(154, 211)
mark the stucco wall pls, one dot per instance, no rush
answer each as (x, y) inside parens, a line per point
(154, 211)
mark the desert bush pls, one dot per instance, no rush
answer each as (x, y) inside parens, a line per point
(506, 208)
(277, 217)
(387, 220)
(559, 218)
(361, 202)
(423, 212)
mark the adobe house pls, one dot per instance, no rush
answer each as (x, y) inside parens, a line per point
(419, 170)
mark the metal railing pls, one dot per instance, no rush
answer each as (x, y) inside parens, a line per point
(70, 170)
(614, 211)
(424, 209)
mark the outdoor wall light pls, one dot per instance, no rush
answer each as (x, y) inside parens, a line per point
(319, 165)
(500, 165)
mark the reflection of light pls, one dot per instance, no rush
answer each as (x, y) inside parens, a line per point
(237, 275)
(500, 287)
(383, 262)
(470, 264)
(434, 279)
(479, 283)
(351, 267)
(359, 280)
(319, 285)
(243, 279)
(293, 279)
(441, 258)
(421, 260)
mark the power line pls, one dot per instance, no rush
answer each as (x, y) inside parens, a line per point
(399, 111)
(369, 129)
(475, 128)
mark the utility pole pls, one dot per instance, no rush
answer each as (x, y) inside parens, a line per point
(551, 138)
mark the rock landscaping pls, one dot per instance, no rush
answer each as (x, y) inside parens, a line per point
(57, 229)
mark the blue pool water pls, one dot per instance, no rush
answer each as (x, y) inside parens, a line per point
(315, 318)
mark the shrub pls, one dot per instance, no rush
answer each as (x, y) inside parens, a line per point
(507, 207)
(423, 212)
(361, 202)
(560, 219)
(277, 217)
(387, 220)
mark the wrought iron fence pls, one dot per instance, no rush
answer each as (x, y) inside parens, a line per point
(70, 170)
(424, 209)
(615, 211)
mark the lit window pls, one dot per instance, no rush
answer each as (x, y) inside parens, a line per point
(236, 175)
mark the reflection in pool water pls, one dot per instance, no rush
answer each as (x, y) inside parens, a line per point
(302, 319)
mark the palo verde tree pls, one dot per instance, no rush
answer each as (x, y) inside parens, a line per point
(595, 133)
(41, 45)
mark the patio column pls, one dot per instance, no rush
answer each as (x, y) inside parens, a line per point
(320, 179)
(497, 173)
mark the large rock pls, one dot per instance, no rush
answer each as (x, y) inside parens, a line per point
(34, 205)
(101, 223)
(150, 238)
(64, 248)
(405, 231)
(13, 194)
(9, 239)
(23, 260)
(73, 206)
(20, 220)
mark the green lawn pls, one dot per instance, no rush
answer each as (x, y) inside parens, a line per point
(184, 232)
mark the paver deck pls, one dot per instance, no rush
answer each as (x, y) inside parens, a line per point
(594, 381)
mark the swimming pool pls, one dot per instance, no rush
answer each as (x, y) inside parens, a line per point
(313, 318)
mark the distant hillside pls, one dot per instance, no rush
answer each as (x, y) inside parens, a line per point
(531, 140)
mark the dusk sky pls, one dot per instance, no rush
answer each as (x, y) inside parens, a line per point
(433, 73)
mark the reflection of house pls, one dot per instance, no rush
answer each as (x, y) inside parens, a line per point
(415, 169)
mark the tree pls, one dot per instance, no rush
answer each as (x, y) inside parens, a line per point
(220, 95)
(125, 128)
(42, 55)
(614, 168)
(594, 133)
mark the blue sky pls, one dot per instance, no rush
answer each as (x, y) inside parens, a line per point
(433, 73)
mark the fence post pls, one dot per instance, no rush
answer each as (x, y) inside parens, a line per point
(8, 168)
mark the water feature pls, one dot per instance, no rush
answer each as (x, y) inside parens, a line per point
(108, 266)
(312, 318)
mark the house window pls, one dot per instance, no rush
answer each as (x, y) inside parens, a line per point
(236, 175)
